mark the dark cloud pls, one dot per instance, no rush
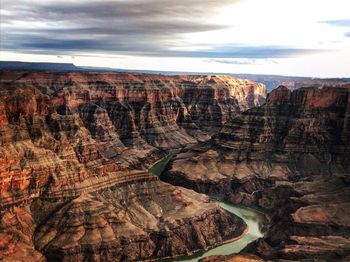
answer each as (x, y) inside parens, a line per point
(120, 17)
(131, 27)
(120, 25)
(235, 51)
(128, 47)
(347, 34)
(339, 22)
(117, 9)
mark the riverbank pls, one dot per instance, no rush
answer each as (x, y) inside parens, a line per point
(158, 167)
(255, 220)
(256, 224)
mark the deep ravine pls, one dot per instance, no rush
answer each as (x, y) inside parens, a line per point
(255, 220)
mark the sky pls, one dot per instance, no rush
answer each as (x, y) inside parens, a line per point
(286, 37)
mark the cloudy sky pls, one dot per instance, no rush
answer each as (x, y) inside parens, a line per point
(289, 37)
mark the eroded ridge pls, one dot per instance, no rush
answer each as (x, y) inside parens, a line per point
(290, 158)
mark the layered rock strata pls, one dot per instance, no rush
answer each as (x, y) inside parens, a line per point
(60, 130)
(163, 111)
(74, 149)
(289, 158)
(130, 222)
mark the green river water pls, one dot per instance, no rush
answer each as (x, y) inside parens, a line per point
(255, 221)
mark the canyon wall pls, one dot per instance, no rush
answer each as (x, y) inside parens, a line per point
(289, 158)
(60, 130)
(74, 150)
(163, 111)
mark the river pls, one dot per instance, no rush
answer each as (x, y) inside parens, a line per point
(255, 221)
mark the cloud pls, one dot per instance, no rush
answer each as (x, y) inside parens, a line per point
(117, 17)
(117, 9)
(123, 27)
(242, 61)
(238, 51)
(147, 48)
(339, 22)
(119, 25)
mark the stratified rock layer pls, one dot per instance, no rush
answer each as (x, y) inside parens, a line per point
(59, 130)
(74, 149)
(289, 158)
(129, 222)
(163, 111)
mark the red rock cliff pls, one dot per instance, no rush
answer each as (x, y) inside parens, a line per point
(289, 158)
(74, 148)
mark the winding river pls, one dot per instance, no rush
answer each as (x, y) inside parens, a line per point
(255, 221)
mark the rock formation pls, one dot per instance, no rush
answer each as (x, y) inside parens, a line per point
(288, 158)
(134, 221)
(74, 149)
(61, 131)
(163, 111)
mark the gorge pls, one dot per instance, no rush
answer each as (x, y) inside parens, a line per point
(290, 159)
(76, 149)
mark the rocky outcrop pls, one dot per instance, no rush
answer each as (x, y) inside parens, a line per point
(74, 154)
(16, 231)
(289, 158)
(310, 221)
(130, 222)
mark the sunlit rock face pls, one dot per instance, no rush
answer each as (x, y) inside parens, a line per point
(290, 158)
(60, 129)
(153, 109)
(74, 150)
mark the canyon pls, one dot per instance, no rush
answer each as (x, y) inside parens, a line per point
(75, 149)
(288, 158)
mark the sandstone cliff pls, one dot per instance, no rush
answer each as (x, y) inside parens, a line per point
(135, 221)
(289, 158)
(61, 131)
(163, 111)
(74, 149)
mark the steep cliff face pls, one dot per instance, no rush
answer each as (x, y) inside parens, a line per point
(74, 149)
(44, 149)
(163, 111)
(295, 133)
(58, 130)
(289, 158)
(307, 121)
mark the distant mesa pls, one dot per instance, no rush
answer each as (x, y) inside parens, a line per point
(270, 81)
(4, 65)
